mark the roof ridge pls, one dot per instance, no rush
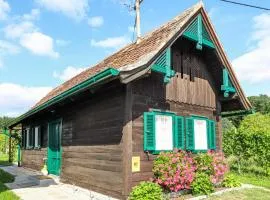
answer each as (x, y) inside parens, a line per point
(129, 54)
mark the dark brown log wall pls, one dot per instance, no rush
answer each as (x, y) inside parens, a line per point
(191, 92)
(92, 126)
(34, 158)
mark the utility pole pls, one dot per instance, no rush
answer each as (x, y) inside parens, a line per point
(138, 20)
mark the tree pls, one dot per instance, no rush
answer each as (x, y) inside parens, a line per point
(260, 103)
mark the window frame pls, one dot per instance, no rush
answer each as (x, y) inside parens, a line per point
(165, 113)
(198, 117)
(184, 131)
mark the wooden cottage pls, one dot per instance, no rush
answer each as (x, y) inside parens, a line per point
(101, 129)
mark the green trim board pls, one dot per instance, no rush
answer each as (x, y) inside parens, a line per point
(227, 86)
(237, 113)
(99, 77)
(197, 32)
(163, 65)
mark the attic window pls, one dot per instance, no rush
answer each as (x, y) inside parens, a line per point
(197, 32)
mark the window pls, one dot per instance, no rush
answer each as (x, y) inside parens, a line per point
(31, 138)
(163, 131)
(37, 137)
(200, 134)
(27, 138)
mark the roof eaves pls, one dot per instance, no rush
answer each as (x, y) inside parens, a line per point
(92, 81)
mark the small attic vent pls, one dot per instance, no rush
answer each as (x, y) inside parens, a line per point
(197, 32)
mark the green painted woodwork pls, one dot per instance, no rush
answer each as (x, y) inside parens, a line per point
(179, 137)
(149, 131)
(163, 65)
(197, 32)
(227, 86)
(237, 113)
(190, 143)
(211, 134)
(54, 154)
(98, 78)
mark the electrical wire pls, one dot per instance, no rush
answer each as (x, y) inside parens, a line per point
(247, 5)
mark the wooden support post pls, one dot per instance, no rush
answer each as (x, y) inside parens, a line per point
(127, 142)
(9, 148)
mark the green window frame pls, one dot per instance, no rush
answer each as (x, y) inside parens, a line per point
(150, 132)
(190, 134)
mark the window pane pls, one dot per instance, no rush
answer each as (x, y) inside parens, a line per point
(164, 132)
(36, 136)
(200, 134)
(27, 137)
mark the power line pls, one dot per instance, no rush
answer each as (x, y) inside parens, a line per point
(247, 5)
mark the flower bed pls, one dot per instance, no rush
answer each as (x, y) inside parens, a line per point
(181, 173)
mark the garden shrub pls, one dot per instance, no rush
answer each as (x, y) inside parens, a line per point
(202, 184)
(174, 171)
(230, 181)
(213, 164)
(250, 144)
(146, 191)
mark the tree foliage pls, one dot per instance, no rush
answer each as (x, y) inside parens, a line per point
(260, 103)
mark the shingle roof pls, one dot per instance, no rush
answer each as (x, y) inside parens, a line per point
(134, 54)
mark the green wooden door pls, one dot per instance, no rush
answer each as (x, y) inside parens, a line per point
(54, 148)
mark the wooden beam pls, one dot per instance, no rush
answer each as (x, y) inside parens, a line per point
(127, 142)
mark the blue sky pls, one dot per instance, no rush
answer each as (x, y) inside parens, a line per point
(44, 42)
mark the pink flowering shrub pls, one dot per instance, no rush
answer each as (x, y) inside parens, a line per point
(213, 164)
(174, 171)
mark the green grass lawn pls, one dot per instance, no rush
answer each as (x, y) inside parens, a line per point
(5, 193)
(261, 181)
(246, 194)
(4, 160)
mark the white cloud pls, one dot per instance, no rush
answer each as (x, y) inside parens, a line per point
(76, 9)
(62, 43)
(254, 66)
(68, 73)
(39, 44)
(13, 98)
(112, 42)
(14, 31)
(8, 48)
(96, 21)
(4, 9)
(34, 15)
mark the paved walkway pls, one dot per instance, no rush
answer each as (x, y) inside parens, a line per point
(31, 185)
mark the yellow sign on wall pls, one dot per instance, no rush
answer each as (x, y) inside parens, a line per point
(136, 164)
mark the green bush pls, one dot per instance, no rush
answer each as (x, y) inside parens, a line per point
(250, 144)
(202, 184)
(231, 181)
(146, 191)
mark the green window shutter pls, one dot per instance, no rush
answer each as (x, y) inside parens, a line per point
(190, 134)
(211, 134)
(179, 132)
(149, 131)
